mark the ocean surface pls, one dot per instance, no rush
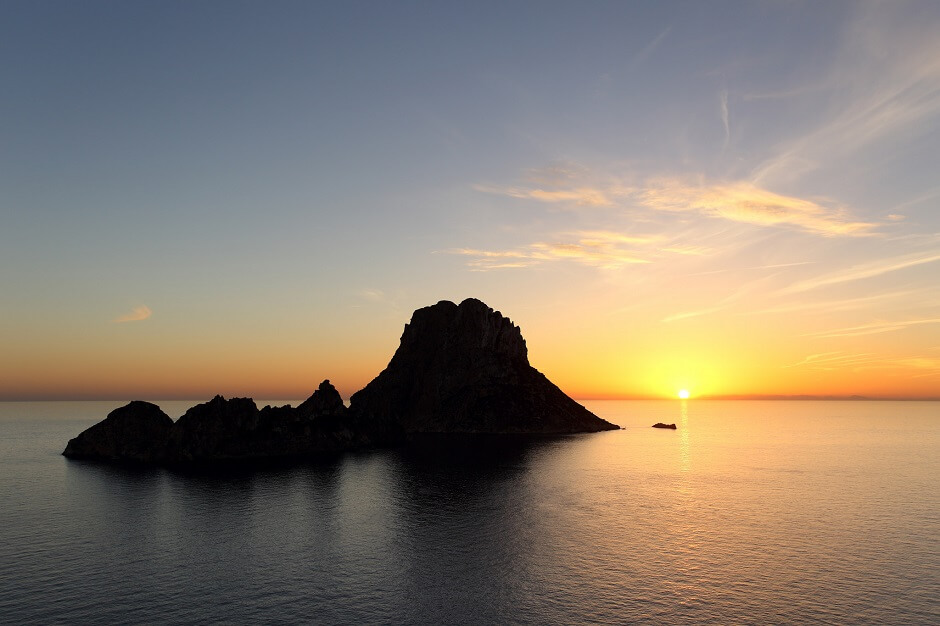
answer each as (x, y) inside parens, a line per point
(751, 512)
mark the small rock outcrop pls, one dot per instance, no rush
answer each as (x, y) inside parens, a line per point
(135, 433)
(661, 425)
(324, 401)
(465, 369)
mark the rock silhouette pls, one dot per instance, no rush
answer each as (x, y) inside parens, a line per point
(134, 432)
(465, 369)
(460, 369)
(661, 425)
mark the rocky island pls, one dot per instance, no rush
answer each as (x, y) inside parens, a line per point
(459, 370)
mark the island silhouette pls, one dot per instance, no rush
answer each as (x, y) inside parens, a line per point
(459, 370)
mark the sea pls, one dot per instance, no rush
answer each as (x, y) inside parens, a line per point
(764, 512)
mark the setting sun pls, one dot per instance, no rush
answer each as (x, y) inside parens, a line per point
(684, 394)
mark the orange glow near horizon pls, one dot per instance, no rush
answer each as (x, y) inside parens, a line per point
(634, 356)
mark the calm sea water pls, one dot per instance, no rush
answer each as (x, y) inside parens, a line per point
(751, 512)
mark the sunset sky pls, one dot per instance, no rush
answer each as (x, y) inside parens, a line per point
(248, 197)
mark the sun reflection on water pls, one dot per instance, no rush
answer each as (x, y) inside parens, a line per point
(684, 452)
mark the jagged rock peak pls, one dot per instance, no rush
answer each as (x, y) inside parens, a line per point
(471, 327)
(324, 401)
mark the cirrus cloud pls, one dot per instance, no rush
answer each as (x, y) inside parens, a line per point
(579, 196)
(606, 250)
(737, 201)
(748, 203)
(139, 313)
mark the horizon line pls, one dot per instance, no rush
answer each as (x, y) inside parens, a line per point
(587, 398)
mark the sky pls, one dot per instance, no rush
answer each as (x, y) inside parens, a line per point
(247, 198)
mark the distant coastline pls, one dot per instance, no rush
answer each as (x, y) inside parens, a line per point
(813, 397)
(297, 398)
(770, 397)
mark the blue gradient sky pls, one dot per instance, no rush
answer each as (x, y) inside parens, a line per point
(246, 198)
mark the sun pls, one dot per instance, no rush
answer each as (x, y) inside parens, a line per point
(684, 394)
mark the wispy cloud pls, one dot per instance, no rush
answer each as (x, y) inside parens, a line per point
(578, 196)
(895, 211)
(873, 328)
(378, 299)
(649, 48)
(723, 100)
(609, 237)
(687, 250)
(589, 252)
(602, 249)
(844, 304)
(691, 314)
(864, 270)
(372, 295)
(138, 314)
(736, 201)
(744, 202)
(739, 293)
(482, 260)
(918, 366)
(885, 79)
(769, 266)
(831, 360)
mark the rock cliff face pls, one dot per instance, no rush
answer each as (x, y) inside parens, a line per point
(465, 369)
(459, 369)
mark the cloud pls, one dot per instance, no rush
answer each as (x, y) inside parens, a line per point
(558, 173)
(895, 212)
(579, 196)
(483, 260)
(690, 314)
(138, 314)
(600, 249)
(736, 201)
(648, 49)
(828, 361)
(686, 250)
(740, 292)
(724, 116)
(589, 252)
(609, 237)
(845, 304)
(650, 203)
(744, 202)
(373, 295)
(769, 266)
(864, 270)
(872, 329)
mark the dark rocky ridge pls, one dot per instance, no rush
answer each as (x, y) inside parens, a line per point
(459, 370)
(226, 430)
